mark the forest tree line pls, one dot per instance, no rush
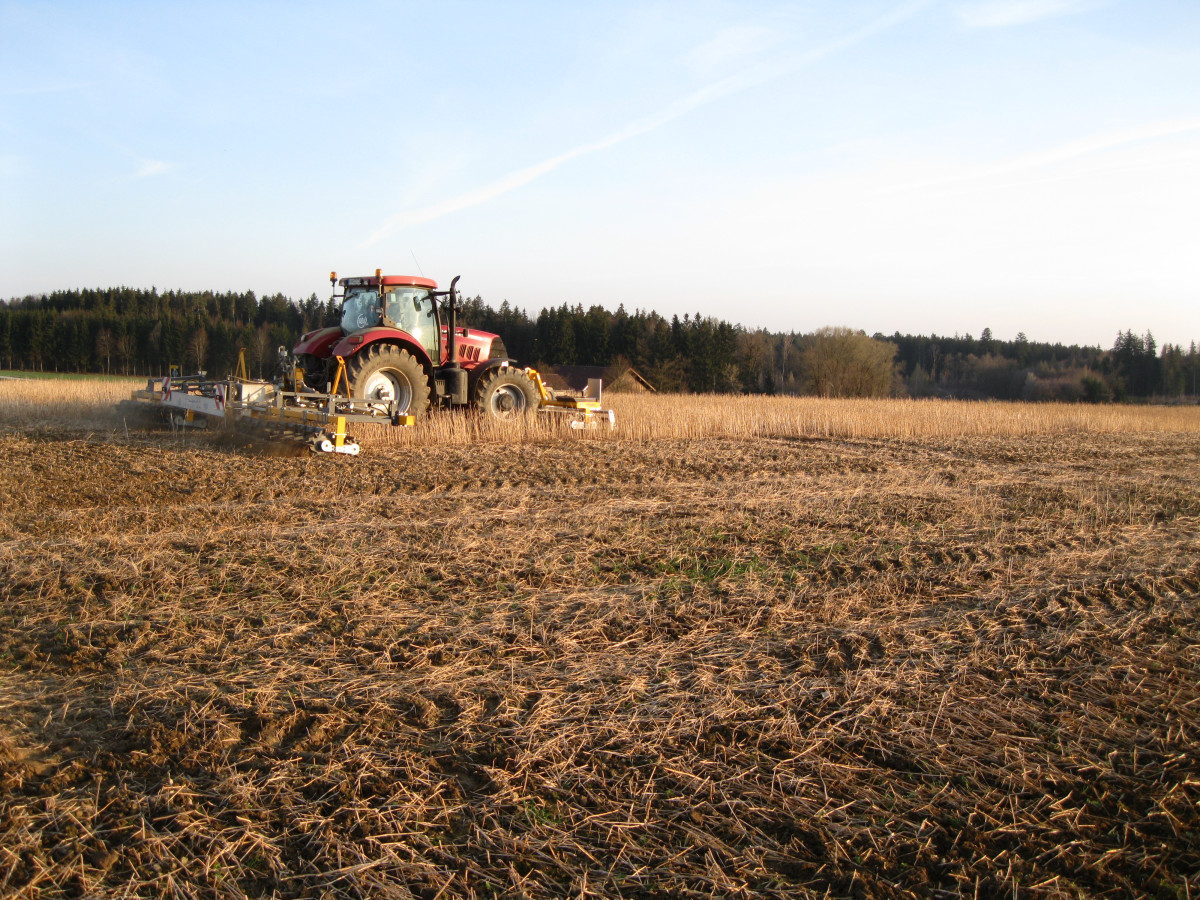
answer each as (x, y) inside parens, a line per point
(134, 331)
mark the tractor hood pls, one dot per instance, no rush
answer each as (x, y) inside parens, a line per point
(474, 346)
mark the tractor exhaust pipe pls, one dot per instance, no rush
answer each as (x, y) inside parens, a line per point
(454, 374)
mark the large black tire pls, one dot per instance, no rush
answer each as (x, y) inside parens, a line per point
(507, 394)
(385, 372)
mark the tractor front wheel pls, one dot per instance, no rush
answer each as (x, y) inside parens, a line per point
(507, 394)
(385, 373)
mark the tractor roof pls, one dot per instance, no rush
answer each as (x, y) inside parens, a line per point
(376, 280)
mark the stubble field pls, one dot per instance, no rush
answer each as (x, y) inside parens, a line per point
(777, 649)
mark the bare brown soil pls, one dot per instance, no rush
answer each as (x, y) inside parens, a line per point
(676, 668)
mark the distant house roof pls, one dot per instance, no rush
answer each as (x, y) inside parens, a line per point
(615, 378)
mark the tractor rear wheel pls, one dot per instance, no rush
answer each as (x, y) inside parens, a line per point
(384, 373)
(507, 394)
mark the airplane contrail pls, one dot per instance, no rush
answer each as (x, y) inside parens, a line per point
(751, 77)
(1094, 143)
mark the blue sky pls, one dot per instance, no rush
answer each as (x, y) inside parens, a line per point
(913, 165)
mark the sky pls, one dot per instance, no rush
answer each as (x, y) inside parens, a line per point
(921, 166)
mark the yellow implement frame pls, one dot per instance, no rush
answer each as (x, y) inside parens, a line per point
(583, 412)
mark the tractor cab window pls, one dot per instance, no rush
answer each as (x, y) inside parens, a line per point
(360, 309)
(411, 309)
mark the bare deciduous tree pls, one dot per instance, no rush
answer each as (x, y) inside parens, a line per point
(104, 347)
(259, 344)
(125, 351)
(198, 346)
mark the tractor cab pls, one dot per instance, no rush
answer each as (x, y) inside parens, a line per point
(397, 302)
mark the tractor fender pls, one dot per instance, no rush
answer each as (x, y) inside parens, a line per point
(318, 343)
(356, 343)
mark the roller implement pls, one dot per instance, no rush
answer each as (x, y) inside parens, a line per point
(396, 354)
(321, 419)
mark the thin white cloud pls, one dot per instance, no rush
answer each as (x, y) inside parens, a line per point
(41, 89)
(752, 76)
(730, 45)
(1062, 153)
(1004, 13)
(148, 168)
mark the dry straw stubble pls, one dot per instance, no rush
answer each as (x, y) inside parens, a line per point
(766, 662)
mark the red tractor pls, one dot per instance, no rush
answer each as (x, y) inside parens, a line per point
(404, 352)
